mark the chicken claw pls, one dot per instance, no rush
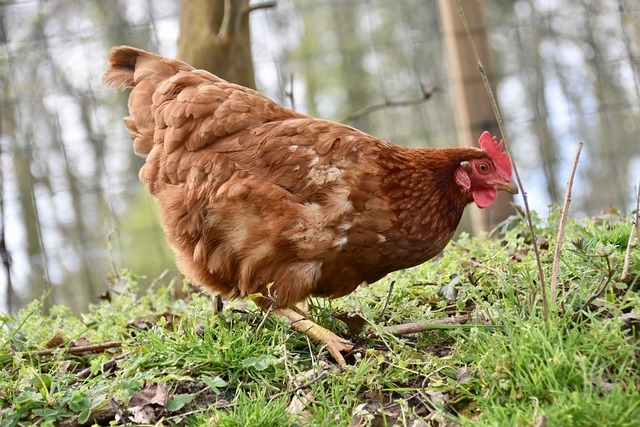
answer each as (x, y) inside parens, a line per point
(334, 344)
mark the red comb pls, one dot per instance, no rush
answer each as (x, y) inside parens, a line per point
(492, 147)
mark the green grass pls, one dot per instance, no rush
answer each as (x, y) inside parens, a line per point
(186, 366)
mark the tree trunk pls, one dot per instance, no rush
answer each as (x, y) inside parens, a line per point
(214, 36)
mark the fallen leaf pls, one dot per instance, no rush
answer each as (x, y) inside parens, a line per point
(55, 341)
(361, 416)
(464, 375)
(80, 342)
(143, 403)
(297, 404)
(354, 322)
(151, 394)
(141, 414)
(438, 397)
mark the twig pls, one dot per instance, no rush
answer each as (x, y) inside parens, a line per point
(632, 235)
(289, 93)
(426, 95)
(90, 348)
(413, 328)
(108, 234)
(563, 223)
(266, 5)
(386, 303)
(496, 112)
(266, 315)
(478, 264)
(300, 387)
(108, 365)
(216, 405)
(602, 287)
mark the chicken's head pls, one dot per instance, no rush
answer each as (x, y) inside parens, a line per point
(483, 177)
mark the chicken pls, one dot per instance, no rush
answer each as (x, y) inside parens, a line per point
(257, 199)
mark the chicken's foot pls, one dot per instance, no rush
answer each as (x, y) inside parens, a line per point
(334, 344)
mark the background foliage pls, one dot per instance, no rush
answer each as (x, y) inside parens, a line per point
(72, 208)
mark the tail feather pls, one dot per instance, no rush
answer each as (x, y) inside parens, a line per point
(122, 65)
(172, 105)
(128, 65)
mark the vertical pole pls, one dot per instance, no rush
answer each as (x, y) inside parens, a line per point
(473, 107)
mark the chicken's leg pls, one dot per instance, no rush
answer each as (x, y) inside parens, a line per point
(334, 344)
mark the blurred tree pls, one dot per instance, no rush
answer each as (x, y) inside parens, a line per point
(574, 66)
(58, 162)
(215, 36)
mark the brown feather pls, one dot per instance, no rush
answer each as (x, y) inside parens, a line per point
(257, 198)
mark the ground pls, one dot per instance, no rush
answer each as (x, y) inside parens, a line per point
(152, 358)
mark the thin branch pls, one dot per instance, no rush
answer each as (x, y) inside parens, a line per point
(91, 348)
(602, 286)
(496, 112)
(386, 303)
(300, 387)
(478, 264)
(413, 328)
(426, 95)
(107, 366)
(109, 234)
(266, 5)
(289, 93)
(266, 315)
(632, 235)
(563, 223)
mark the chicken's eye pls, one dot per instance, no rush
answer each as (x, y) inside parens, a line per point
(483, 168)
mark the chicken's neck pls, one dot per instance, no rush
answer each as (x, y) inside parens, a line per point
(425, 196)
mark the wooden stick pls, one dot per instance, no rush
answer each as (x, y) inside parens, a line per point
(563, 223)
(91, 348)
(413, 328)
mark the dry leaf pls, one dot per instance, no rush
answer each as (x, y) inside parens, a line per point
(144, 402)
(55, 341)
(464, 375)
(354, 322)
(297, 404)
(141, 415)
(151, 394)
(80, 342)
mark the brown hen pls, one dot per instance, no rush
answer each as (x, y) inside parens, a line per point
(258, 199)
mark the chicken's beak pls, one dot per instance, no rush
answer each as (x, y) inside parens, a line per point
(508, 185)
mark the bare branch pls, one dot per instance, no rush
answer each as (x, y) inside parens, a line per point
(632, 235)
(300, 387)
(413, 328)
(91, 348)
(386, 303)
(388, 103)
(563, 223)
(266, 5)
